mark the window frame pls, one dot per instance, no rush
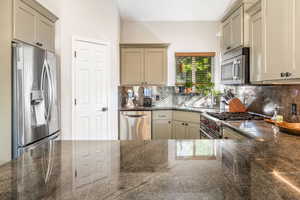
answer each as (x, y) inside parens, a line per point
(196, 54)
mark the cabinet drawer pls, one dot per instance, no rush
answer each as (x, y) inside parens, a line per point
(165, 114)
(186, 116)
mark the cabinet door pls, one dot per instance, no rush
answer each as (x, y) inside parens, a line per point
(179, 130)
(156, 66)
(46, 33)
(237, 28)
(226, 38)
(132, 66)
(277, 38)
(162, 129)
(256, 69)
(296, 42)
(193, 131)
(25, 21)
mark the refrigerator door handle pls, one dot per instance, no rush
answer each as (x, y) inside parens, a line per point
(50, 89)
(45, 72)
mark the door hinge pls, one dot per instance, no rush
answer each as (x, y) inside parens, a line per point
(75, 102)
(75, 54)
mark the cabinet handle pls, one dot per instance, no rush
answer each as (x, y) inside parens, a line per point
(288, 74)
(228, 48)
(39, 44)
(282, 74)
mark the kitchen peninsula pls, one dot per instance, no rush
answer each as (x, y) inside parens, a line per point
(261, 168)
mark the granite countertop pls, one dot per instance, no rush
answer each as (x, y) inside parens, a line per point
(182, 108)
(159, 169)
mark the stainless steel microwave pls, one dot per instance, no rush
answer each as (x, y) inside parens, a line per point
(235, 67)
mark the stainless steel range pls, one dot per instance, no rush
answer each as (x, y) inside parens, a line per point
(211, 123)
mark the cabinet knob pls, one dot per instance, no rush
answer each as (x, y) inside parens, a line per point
(228, 48)
(288, 74)
(182, 124)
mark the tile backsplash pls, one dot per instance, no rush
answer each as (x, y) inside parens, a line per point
(263, 99)
(259, 99)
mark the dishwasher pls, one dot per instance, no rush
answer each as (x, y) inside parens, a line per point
(135, 125)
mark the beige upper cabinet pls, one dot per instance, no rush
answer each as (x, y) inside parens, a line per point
(226, 29)
(31, 26)
(25, 22)
(132, 66)
(233, 30)
(277, 30)
(274, 41)
(143, 66)
(296, 40)
(155, 66)
(256, 43)
(46, 33)
(237, 28)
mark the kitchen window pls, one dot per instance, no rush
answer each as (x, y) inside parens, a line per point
(194, 68)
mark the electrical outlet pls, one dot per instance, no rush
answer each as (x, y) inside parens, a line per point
(294, 109)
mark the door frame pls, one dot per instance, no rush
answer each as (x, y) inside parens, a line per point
(73, 72)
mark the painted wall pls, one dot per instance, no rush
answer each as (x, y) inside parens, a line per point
(92, 19)
(5, 80)
(183, 37)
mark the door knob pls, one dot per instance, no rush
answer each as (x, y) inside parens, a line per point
(104, 109)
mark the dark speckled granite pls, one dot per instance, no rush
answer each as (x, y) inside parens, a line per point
(158, 170)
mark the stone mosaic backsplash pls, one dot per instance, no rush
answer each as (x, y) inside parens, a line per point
(263, 99)
(259, 99)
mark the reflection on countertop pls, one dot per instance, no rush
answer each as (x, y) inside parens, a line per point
(161, 169)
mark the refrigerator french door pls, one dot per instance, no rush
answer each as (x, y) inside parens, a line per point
(35, 97)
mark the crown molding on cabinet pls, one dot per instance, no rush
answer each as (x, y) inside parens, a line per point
(41, 9)
(144, 45)
(236, 5)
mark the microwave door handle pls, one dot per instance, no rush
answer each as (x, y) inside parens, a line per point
(237, 69)
(233, 70)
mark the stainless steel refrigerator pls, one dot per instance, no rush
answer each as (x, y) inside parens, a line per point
(35, 98)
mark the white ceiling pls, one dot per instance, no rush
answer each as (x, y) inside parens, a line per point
(172, 10)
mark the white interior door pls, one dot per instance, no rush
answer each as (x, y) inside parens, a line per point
(90, 110)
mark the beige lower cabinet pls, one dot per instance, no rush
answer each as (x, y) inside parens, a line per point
(162, 129)
(177, 125)
(186, 125)
(161, 125)
(186, 130)
(179, 130)
(193, 131)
